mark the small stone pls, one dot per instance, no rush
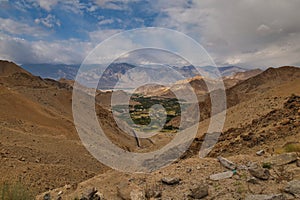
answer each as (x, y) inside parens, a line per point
(137, 195)
(285, 121)
(260, 152)
(282, 159)
(259, 172)
(47, 196)
(252, 180)
(99, 195)
(227, 163)
(22, 159)
(68, 187)
(188, 170)
(266, 197)
(220, 176)
(293, 187)
(170, 181)
(242, 167)
(153, 193)
(198, 167)
(199, 192)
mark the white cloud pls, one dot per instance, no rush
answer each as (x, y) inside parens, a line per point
(242, 32)
(47, 4)
(264, 29)
(106, 21)
(98, 36)
(23, 51)
(18, 28)
(114, 4)
(237, 30)
(50, 21)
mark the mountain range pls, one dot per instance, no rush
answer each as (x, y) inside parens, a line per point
(128, 72)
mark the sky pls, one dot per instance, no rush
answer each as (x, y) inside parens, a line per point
(249, 33)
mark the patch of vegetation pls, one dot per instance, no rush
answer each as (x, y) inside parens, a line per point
(15, 191)
(293, 147)
(290, 147)
(267, 165)
(139, 113)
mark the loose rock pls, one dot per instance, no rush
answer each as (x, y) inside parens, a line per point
(282, 159)
(260, 153)
(199, 192)
(47, 196)
(227, 163)
(293, 187)
(137, 195)
(252, 180)
(259, 172)
(220, 176)
(266, 197)
(170, 181)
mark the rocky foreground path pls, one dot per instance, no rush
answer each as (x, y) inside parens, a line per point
(251, 177)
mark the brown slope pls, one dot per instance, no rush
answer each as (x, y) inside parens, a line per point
(266, 108)
(38, 137)
(265, 131)
(8, 68)
(259, 96)
(271, 78)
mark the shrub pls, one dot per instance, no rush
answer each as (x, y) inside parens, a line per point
(293, 147)
(267, 165)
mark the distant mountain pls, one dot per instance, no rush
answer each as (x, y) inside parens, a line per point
(53, 71)
(127, 75)
(230, 81)
(183, 88)
(223, 71)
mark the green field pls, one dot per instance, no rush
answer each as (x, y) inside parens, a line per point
(139, 112)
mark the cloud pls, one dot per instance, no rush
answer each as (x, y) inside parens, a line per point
(61, 51)
(98, 36)
(114, 4)
(264, 29)
(250, 33)
(47, 4)
(18, 28)
(106, 21)
(242, 33)
(50, 21)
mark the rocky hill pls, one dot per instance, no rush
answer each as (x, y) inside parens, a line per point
(259, 143)
(38, 137)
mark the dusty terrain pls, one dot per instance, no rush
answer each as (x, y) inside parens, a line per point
(38, 141)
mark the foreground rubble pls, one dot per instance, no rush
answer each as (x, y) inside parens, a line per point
(250, 179)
